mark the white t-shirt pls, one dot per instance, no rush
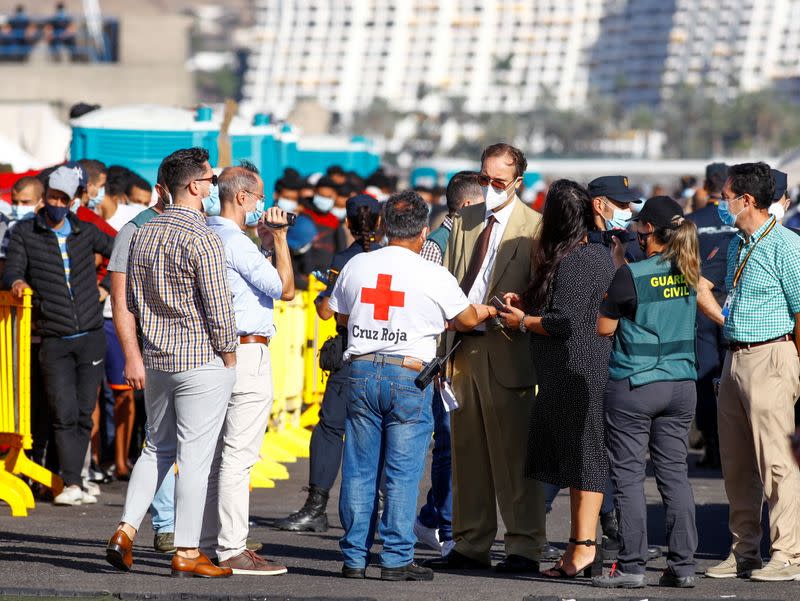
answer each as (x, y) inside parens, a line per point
(397, 302)
(124, 214)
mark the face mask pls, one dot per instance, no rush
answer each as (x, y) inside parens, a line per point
(619, 219)
(725, 214)
(56, 214)
(323, 203)
(287, 204)
(19, 211)
(211, 202)
(76, 204)
(252, 218)
(339, 212)
(101, 194)
(495, 198)
(776, 210)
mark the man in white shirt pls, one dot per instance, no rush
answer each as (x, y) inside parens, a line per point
(255, 284)
(493, 377)
(394, 304)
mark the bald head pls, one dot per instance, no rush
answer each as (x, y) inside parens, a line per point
(234, 180)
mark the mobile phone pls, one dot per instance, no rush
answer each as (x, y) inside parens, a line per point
(497, 303)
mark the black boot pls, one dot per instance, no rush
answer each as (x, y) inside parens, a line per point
(312, 516)
(610, 526)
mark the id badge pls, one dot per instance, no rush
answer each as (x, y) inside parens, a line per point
(726, 308)
(448, 397)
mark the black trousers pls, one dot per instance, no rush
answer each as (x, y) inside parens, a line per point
(655, 416)
(73, 370)
(327, 439)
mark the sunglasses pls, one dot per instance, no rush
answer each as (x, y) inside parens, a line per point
(212, 179)
(485, 180)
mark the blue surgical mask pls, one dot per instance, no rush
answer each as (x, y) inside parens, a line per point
(101, 194)
(252, 218)
(56, 214)
(21, 211)
(211, 202)
(339, 212)
(323, 203)
(619, 219)
(76, 204)
(724, 212)
(287, 204)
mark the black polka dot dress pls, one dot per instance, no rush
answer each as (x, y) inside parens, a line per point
(566, 445)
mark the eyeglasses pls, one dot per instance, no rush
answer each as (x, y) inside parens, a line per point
(260, 197)
(497, 184)
(213, 179)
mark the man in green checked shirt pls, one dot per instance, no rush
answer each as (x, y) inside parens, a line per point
(760, 379)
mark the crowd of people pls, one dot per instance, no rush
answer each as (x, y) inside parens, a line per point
(541, 350)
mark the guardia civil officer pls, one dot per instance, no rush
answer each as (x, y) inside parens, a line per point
(394, 304)
(650, 396)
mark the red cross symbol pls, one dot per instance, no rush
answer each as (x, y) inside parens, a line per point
(383, 297)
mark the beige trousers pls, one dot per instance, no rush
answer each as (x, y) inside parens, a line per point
(755, 413)
(489, 441)
(227, 516)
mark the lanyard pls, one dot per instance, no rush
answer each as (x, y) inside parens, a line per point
(738, 275)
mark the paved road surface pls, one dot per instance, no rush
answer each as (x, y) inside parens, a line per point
(61, 548)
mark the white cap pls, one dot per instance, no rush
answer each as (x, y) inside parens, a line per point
(64, 180)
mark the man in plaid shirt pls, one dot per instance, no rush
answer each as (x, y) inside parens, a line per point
(177, 288)
(760, 379)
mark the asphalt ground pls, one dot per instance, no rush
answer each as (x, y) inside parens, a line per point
(59, 551)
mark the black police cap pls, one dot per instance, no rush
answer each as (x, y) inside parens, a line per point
(614, 187)
(781, 184)
(660, 211)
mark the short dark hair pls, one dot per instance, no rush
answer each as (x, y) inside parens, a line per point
(233, 179)
(289, 183)
(502, 149)
(182, 167)
(326, 182)
(754, 179)
(405, 215)
(117, 183)
(335, 170)
(137, 181)
(461, 187)
(93, 169)
(28, 180)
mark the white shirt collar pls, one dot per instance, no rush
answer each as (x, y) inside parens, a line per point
(503, 215)
(223, 222)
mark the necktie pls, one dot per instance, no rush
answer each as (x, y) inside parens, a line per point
(478, 255)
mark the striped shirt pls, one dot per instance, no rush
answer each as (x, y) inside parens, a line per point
(62, 234)
(177, 287)
(767, 296)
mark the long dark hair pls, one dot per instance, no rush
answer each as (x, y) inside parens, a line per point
(364, 227)
(566, 220)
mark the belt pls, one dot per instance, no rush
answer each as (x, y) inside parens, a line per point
(738, 346)
(407, 362)
(254, 339)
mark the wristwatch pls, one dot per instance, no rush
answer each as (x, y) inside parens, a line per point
(522, 327)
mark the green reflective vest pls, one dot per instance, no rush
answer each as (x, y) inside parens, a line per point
(659, 344)
(440, 236)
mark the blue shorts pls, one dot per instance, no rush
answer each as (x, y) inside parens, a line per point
(115, 359)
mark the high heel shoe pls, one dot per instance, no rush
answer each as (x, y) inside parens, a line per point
(594, 568)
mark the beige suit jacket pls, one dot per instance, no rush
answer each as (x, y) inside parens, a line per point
(509, 351)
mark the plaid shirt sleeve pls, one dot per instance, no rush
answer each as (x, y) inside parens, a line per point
(790, 278)
(208, 259)
(431, 252)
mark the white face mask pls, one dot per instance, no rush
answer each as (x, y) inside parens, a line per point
(287, 204)
(496, 198)
(776, 210)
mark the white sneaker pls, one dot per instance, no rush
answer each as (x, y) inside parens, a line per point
(88, 499)
(71, 495)
(91, 487)
(427, 536)
(448, 546)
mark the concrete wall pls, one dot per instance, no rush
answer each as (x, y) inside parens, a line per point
(153, 52)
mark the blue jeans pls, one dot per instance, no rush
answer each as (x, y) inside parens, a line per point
(162, 511)
(388, 429)
(438, 510)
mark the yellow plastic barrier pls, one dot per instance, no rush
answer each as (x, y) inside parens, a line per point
(15, 406)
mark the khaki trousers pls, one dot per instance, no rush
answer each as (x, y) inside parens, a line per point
(755, 413)
(489, 441)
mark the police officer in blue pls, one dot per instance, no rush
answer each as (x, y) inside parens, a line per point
(611, 203)
(364, 222)
(714, 237)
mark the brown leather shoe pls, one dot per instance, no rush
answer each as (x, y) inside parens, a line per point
(119, 551)
(253, 565)
(200, 566)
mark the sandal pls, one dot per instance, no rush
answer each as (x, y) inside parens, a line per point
(594, 568)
